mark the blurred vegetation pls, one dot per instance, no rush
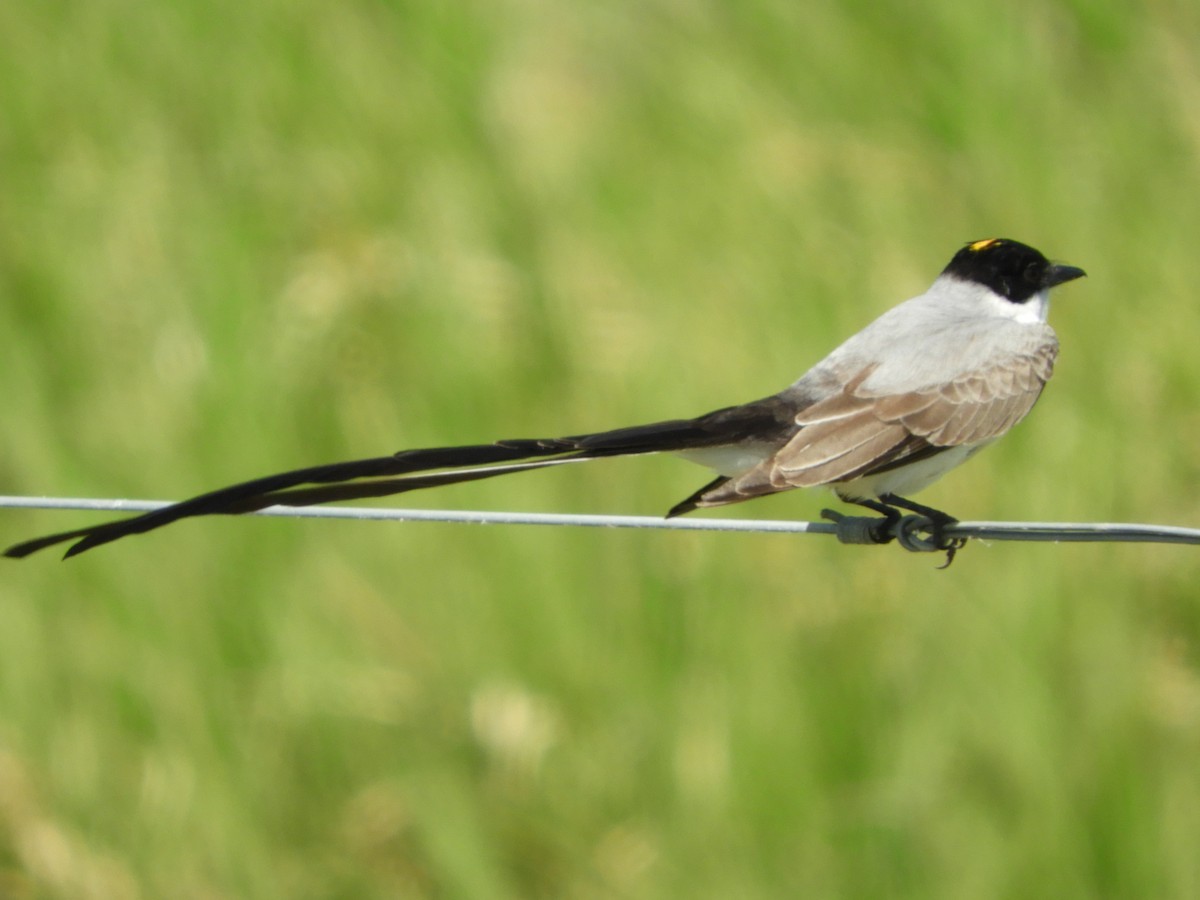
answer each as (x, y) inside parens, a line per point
(240, 237)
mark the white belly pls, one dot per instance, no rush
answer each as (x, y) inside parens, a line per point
(907, 480)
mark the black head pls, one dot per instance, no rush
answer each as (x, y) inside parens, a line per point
(1013, 270)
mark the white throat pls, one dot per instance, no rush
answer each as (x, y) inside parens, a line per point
(1033, 311)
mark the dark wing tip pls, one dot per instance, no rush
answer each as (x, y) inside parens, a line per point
(693, 502)
(680, 509)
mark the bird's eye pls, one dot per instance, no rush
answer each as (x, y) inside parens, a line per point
(1033, 273)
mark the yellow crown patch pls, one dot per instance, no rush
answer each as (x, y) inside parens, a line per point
(983, 245)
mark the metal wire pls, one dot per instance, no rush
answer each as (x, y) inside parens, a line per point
(994, 531)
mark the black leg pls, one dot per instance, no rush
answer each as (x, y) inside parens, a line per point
(934, 515)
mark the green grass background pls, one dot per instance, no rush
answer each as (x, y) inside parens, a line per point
(237, 237)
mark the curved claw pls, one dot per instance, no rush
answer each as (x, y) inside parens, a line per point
(908, 527)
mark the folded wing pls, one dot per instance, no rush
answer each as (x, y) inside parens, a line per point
(860, 431)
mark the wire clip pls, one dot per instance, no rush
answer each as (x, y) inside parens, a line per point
(915, 533)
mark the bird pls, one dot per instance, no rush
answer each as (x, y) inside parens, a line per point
(914, 394)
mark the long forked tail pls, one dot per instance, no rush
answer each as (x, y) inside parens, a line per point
(414, 469)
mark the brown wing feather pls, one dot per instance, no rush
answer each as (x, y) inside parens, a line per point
(855, 433)
(880, 442)
(984, 405)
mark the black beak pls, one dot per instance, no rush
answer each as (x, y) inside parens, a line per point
(1056, 275)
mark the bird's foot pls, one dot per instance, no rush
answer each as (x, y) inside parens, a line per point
(935, 523)
(921, 531)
